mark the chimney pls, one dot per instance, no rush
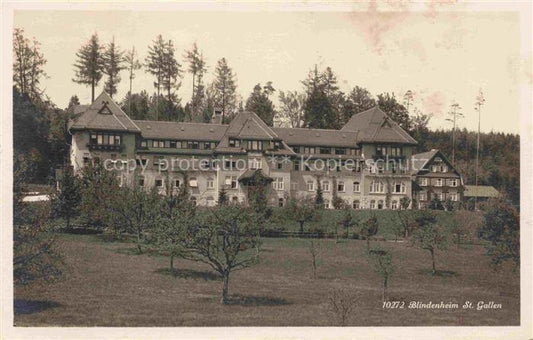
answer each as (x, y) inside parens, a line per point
(217, 116)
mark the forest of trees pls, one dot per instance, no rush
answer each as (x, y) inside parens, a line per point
(41, 139)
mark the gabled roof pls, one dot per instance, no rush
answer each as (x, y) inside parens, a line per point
(318, 137)
(480, 191)
(420, 160)
(246, 125)
(103, 114)
(180, 130)
(375, 125)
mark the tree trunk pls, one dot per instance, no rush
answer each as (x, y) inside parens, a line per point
(68, 222)
(385, 283)
(433, 261)
(225, 288)
(92, 90)
(139, 242)
(301, 227)
(172, 263)
(368, 244)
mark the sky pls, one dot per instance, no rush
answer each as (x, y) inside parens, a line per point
(443, 57)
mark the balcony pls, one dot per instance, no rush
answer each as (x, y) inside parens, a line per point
(104, 147)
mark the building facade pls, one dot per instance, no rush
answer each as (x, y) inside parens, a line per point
(368, 163)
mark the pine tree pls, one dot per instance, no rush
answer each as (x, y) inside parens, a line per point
(113, 64)
(259, 103)
(225, 87)
(155, 65)
(66, 203)
(132, 65)
(28, 63)
(197, 67)
(90, 64)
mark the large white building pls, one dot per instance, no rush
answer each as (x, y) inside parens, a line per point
(368, 163)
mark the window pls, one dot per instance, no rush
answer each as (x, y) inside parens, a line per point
(340, 151)
(326, 203)
(453, 197)
(372, 204)
(277, 145)
(231, 181)
(325, 186)
(172, 144)
(254, 164)
(441, 196)
(423, 182)
(278, 183)
(159, 183)
(210, 183)
(296, 165)
(280, 202)
(395, 151)
(399, 188)
(381, 150)
(394, 205)
(296, 149)
(143, 144)
(325, 151)
(235, 143)
(340, 186)
(438, 182)
(177, 183)
(356, 204)
(310, 186)
(380, 167)
(193, 145)
(140, 182)
(433, 168)
(356, 187)
(309, 149)
(193, 182)
(444, 168)
(453, 182)
(377, 187)
(255, 145)
(358, 167)
(423, 196)
(234, 200)
(101, 138)
(380, 204)
(279, 165)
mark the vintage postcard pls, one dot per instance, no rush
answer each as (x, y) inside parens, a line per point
(259, 170)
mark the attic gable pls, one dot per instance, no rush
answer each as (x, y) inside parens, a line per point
(103, 114)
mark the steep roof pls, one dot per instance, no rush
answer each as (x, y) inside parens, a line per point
(317, 137)
(103, 114)
(420, 160)
(480, 191)
(375, 125)
(246, 125)
(180, 130)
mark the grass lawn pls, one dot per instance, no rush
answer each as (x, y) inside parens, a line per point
(106, 284)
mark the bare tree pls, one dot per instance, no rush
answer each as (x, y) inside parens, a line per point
(314, 250)
(341, 305)
(382, 263)
(226, 238)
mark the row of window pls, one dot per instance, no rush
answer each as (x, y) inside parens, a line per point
(325, 150)
(177, 144)
(254, 145)
(375, 187)
(384, 150)
(103, 138)
(438, 182)
(423, 196)
(373, 204)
